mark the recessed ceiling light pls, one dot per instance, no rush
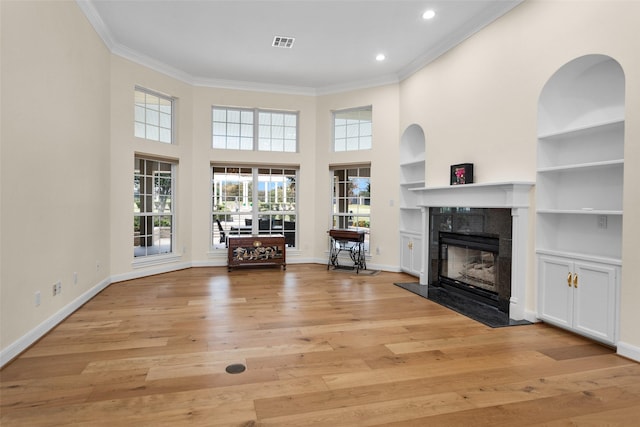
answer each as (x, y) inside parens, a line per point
(380, 57)
(429, 14)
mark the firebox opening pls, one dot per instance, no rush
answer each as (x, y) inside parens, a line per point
(469, 262)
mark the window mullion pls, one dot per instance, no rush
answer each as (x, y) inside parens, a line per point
(255, 201)
(256, 128)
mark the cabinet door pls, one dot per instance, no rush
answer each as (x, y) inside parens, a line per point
(416, 256)
(555, 303)
(405, 252)
(595, 300)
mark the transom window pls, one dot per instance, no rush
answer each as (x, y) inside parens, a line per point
(351, 194)
(153, 117)
(153, 204)
(352, 129)
(253, 200)
(235, 129)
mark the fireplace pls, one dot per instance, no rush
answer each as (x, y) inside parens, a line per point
(500, 208)
(470, 263)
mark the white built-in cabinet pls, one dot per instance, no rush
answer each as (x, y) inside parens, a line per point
(579, 295)
(412, 175)
(579, 197)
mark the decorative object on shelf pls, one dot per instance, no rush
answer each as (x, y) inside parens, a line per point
(462, 174)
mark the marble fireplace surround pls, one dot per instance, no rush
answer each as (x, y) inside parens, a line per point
(512, 195)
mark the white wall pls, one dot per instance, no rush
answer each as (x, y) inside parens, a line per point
(478, 104)
(55, 162)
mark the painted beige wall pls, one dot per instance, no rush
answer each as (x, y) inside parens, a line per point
(385, 169)
(125, 75)
(478, 104)
(55, 160)
(204, 156)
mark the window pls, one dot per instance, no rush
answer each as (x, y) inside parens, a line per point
(278, 131)
(352, 129)
(233, 129)
(253, 200)
(352, 199)
(153, 217)
(153, 116)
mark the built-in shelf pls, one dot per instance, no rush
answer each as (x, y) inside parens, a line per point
(584, 211)
(579, 166)
(412, 184)
(579, 197)
(414, 162)
(412, 175)
(583, 130)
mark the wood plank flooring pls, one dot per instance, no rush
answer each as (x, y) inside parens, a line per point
(322, 348)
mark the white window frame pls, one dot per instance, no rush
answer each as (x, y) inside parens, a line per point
(351, 216)
(147, 245)
(254, 129)
(154, 121)
(353, 129)
(245, 213)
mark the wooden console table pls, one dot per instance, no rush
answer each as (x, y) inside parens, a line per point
(256, 249)
(349, 240)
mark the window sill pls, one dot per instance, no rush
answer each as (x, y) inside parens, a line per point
(148, 261)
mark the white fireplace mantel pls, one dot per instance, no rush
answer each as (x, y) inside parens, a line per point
(513, 195)
(485, 195)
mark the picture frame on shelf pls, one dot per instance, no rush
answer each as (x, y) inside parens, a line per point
(462, 174)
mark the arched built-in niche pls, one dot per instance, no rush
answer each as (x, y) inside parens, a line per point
(412, 175)
(579, 196)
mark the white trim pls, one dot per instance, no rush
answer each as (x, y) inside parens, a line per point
(164, 268)
(629, 351)
(151, 260)
(531, 316)
(514, 195)
(486, 17)
(21, 344)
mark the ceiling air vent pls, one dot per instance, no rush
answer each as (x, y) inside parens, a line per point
(281, 41)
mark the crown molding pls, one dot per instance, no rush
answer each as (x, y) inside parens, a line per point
(483, 19)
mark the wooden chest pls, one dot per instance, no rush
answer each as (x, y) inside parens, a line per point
(257, 249)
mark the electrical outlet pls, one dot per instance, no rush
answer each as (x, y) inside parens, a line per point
(602, 221)
(37, 300)
(75, 277)
(57, 288)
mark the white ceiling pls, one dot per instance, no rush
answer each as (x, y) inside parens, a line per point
(227, 43)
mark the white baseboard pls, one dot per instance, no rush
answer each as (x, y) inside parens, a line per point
(159, 269)
(629, 351)
(24, 342)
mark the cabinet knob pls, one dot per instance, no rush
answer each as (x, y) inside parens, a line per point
(410, 245)
(575, 280)
(569, 279)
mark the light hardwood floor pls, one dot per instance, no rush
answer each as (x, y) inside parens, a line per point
(321, 348)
